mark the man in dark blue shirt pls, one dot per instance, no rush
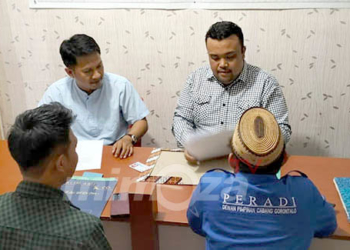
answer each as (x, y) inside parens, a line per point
(252, 209)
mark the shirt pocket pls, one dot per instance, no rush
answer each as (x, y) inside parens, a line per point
(202, 108)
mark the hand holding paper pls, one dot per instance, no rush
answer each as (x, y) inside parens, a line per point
(207, 146)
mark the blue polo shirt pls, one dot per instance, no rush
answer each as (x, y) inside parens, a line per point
(251, 211)
(104, 114)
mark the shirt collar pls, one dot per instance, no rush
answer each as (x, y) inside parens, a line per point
(256, 178)
(39, 190)
(83, 94)
(210, 74)
(244, 74)
(241, 78)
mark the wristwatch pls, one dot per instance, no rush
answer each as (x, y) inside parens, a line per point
(134, 139)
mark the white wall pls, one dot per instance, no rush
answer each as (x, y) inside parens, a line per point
(307, 50)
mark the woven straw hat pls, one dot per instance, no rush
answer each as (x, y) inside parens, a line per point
(257, 139)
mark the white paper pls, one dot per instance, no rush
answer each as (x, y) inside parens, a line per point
(208, 146)
(90, 154)
(153, 151)
(152, 158)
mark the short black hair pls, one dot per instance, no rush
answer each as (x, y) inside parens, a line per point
(272, 168)
(77, 45)
(223, 30)
(37, 132)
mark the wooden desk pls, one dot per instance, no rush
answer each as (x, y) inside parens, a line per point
(10, 174)
(173, 200)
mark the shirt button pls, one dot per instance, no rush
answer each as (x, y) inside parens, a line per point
(222, 122)
(224, 104)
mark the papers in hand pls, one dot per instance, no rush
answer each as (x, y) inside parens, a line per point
(90, 154)
(210, 145)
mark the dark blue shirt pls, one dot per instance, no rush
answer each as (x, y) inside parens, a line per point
(251, 211)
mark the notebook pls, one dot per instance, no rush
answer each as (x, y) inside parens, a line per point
(343, 187)
(90, 194)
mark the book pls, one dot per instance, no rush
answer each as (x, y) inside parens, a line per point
(120, 205)
(90, 194)
(92, 174)
(342, 185)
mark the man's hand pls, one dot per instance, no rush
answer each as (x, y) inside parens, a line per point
(123, 148)
(190, 158)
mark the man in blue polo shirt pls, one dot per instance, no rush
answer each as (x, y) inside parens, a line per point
(105, 104)
(252, 209)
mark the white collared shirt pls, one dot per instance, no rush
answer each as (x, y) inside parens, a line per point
(104, 114)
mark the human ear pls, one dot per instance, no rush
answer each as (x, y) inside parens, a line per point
(243, 51)
(234, 162)
(285, 158)
(69, 72)
(60, 163)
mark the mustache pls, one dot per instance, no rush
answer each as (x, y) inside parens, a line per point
(96, 81)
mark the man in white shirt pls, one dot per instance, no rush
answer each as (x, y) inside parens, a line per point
(105, 104)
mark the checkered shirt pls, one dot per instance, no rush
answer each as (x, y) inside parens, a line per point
(207, 105)
(39, 217)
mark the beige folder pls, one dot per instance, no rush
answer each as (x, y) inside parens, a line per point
(174, 164)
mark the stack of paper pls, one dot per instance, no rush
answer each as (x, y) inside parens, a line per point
(208, 146)
(90, 154)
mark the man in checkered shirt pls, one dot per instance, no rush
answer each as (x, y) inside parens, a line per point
(38, 215)
(215, 97)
